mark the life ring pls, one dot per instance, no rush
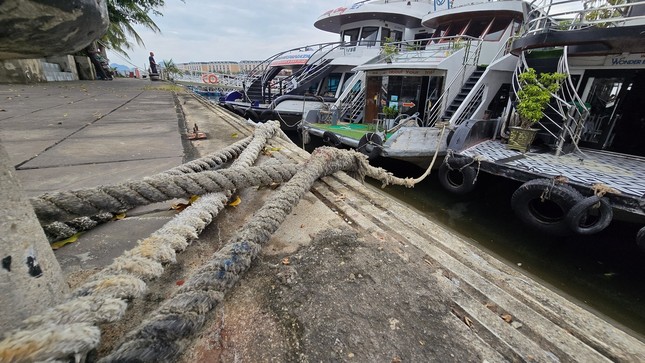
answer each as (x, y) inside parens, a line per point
(370, 145)
(458, 180)
(640, 239)
(330, 139)
(581, 222)
(544, 205)
(212, 79)
(251, 114)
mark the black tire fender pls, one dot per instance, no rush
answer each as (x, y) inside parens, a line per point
(370, 145)
(330, 138)
(460, 180)
(640, 239)
(579, 213)
(251, 114)
(544, 205)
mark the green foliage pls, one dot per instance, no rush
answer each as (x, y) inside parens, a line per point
(389, 49)
(603, 10)
(124, 14)
(171, 68)
(390, 112)
(535, 94)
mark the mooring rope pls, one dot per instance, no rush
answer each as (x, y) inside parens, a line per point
(103, 297)
(71, 204)
(159, 338)
(120, 281)
(60, 230)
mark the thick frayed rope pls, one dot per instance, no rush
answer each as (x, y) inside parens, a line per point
(113, 198)
(60, 230)
(122, 280)
(48, 343)
(159, 338)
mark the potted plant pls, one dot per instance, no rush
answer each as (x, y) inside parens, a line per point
(389, 49)
(532, 98)
(390, 112)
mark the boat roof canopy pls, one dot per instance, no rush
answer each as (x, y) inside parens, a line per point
(395, 12)
(509, 8)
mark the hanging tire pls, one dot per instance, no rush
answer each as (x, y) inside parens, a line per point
(330, 139)
(457, 180)
(640, 239)
(370, 145)
(581, 221)
(544, 205)
(251, 114)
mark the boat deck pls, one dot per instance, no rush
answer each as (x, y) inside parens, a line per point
(350, 130)
(621, 172)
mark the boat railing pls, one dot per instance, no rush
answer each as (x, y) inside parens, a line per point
(352, 104)
(436, 110)
(471, 106)
(309, 70)
(571, 105)
(434, 50)
(564, 15)
(566, 114)
(261, 71)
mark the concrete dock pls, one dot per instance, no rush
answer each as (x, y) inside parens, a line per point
(352, 274)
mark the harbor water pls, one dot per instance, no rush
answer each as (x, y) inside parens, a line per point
(603, 272)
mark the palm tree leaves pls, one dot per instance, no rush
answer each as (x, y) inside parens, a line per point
(124, 14)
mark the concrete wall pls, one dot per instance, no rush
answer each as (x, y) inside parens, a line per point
(50, 69)
(66, 63)
(22, 71)
(84, 68)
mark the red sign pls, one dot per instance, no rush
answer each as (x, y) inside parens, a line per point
(407, 104)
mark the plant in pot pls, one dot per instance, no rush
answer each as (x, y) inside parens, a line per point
(532, 99)
(389, 49)
(390, 113)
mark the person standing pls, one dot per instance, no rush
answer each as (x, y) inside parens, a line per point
(153, 64)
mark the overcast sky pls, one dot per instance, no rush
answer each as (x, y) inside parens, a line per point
(205, 30)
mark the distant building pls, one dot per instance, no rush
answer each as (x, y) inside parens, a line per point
(221, 67)
(247, 66)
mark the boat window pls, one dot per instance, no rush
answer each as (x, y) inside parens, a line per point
(385, 33)
(396, 35)
(456, 28)
(440, 31)
(330, 87)
(476, 27)
(346, 80)
(350, 36)
(368, 36)
(497, 29)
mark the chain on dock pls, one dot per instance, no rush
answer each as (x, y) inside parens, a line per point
(103, 298)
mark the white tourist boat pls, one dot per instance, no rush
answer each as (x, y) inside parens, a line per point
(461, 70)
(286, 91)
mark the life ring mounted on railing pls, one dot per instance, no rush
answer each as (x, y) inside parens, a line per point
(210, 78)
